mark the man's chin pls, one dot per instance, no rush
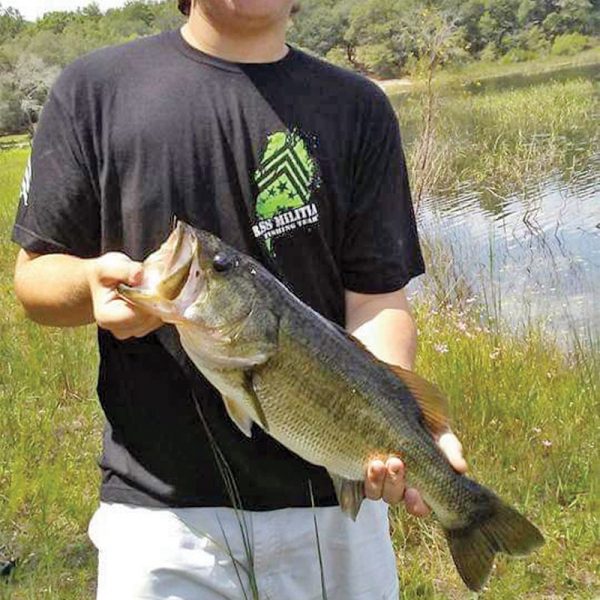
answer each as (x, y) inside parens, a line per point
(251, 13)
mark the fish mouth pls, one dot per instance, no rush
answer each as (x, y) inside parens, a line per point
(173, 277)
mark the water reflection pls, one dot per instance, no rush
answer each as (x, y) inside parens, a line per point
(532, 255)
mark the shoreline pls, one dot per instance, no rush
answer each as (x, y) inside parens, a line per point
(480, 71)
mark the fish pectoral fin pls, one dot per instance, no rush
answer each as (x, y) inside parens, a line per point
(239, 416)
(260, 417)
(431, 401)
(350, 494)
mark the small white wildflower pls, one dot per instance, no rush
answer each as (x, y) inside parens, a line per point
(461, 325)
(546, 443)
(441, 348)
(537, 430)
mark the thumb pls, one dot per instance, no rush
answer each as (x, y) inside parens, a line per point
(116, 267)
(452, 448)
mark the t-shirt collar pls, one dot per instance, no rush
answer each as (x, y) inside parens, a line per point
(176, 38)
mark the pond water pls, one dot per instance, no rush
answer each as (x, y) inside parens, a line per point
(532, 255)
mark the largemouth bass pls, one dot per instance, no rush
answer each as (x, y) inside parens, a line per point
(279, 364)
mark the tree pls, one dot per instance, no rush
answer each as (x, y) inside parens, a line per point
(498, 21)
(319, 26)
(11, 23)
(571, 16)
(26, 86)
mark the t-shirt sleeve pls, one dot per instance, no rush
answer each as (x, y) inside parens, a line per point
(58, 208)
(381, 251)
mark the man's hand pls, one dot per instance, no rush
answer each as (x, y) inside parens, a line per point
(110, 311)
(386, 480)
(61, 290)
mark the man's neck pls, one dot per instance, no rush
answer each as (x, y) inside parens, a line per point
(262, 45)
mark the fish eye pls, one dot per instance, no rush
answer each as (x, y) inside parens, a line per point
(223, 261)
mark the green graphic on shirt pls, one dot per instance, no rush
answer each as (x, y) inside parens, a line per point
(285, 178)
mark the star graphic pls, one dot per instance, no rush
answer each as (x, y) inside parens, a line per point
(272, 192)
(283, 186)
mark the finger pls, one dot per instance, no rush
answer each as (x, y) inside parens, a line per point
(151, 326)
(414, 503)
(374, 480)
(117, 314)
(393, 485)
(114, 313)
(452, 448)
(139, 327)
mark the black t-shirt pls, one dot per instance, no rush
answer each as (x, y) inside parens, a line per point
(296, 162)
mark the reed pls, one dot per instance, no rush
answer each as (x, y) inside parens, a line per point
(500, 142)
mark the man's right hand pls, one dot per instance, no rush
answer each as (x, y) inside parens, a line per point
(62, 290)
(110, 311)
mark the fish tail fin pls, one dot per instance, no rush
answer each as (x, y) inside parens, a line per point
(502, 529)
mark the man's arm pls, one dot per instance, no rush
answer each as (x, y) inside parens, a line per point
(66, 291)
(384, 324)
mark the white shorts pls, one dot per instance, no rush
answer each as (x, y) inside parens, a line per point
(182, 554)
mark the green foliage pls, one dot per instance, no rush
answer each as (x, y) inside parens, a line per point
(568, 44)
(32, 54)
(320, 26)
(382, 38)
(11, 23)
(339, 56)
(378, 58)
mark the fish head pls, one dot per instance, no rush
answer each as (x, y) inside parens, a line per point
(221, 290)
(195, 280)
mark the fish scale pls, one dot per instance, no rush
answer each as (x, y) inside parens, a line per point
(301, 378)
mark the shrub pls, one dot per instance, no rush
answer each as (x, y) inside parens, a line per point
(518, 55)
(568, 44)
(378, 59)
(489, 53)
(338, 56)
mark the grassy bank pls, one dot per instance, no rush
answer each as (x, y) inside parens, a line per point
(528, 418)
(481, 71)
(50, 426)
(526, 413)
(506, 140)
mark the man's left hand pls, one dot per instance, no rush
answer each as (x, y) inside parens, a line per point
(386, 480)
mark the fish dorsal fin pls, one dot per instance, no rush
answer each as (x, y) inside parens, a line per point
(431, 401)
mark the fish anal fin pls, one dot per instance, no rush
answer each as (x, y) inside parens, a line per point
(239, 416)
(350, 494)
(431, 401)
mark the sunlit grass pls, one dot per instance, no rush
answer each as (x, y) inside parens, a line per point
(480, 70)
(527, 413)
(528, 417)
(507, 140)
(49, 421)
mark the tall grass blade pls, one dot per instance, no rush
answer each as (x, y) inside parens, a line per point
(319, 553)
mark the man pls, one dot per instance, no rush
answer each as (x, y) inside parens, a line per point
(225, 126)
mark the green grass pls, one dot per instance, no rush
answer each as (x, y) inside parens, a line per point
(526, 412)
(50, 423)
(504, 141)
(528, 418)
(480, 71)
